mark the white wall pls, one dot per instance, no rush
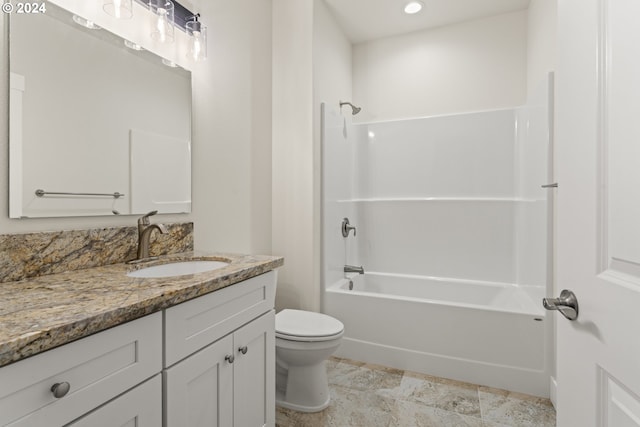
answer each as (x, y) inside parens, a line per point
(541, 42)
(294, 216)
(231, 137)
(332, 70)
(472, 66)
(311, 64)
(232, 115)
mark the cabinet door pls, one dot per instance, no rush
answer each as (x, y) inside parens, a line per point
(140, 407)
(254, 373)
(199, 390)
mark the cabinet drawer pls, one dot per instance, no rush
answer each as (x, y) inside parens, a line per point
(195, 324)
(98, 368)
(140, 407)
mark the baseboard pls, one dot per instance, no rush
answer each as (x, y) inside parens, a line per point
(553, 391)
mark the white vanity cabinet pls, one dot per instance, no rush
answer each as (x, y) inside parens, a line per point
(209, 361)
(220, 357)
(96, 369)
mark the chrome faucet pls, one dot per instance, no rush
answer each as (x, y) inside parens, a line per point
(145, 228)
(353, 269)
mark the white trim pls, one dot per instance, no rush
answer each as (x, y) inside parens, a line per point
(553, 390)
(437, 199)
(17, 88)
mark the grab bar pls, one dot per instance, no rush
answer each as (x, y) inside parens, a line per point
(41, 193)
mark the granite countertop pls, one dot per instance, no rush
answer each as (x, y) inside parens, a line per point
(45, 312)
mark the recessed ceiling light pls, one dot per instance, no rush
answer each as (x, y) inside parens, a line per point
(413, 7)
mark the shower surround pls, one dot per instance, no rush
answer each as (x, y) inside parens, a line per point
(452, 233)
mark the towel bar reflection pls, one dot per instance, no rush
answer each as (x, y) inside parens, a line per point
(41, 193)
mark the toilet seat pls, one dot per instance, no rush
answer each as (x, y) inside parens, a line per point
(299, 325)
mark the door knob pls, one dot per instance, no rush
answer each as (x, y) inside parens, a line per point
(566, 304)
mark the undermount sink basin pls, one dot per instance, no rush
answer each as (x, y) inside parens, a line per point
(180, 268)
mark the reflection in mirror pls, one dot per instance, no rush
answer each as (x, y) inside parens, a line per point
(89, 115)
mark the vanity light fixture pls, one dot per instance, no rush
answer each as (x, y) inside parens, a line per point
(119, 9)
(197, 39)
(413, 7)
(85, 23)
(162, 20)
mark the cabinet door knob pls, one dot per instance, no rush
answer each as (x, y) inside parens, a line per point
(60, 389)
(243, 349)
(229, 358)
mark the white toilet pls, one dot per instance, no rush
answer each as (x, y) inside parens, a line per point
(304, 340)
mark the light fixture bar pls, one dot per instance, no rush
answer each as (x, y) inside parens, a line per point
(181, 16)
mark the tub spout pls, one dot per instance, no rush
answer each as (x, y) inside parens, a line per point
(353, 269)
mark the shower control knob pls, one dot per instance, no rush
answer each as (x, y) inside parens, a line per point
(346, 228)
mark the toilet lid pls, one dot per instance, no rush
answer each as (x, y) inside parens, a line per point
(306, 324)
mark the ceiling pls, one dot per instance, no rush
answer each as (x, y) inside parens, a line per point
(364, 20)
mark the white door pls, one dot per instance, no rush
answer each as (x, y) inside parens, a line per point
(598, 233)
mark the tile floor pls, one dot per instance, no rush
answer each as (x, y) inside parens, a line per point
(364, 395)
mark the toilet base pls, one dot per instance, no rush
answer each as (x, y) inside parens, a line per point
(284, 404)
(306, 388)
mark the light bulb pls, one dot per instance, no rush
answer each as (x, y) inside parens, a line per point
(161, 25)
(196, 46)
(117, 4)
(197, 40)
(119, 9)
(162, 28)
(413, 7)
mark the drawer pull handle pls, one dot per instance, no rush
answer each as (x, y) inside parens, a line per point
(60, 389)
(243, 349)
(229, 358)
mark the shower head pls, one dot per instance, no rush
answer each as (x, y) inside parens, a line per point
(354, 110)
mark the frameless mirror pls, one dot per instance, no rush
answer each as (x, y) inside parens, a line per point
(97, 127)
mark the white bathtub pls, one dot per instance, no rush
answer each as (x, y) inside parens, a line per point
(479, 332)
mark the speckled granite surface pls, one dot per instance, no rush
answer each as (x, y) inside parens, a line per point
(36, 254)
(44, 312)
